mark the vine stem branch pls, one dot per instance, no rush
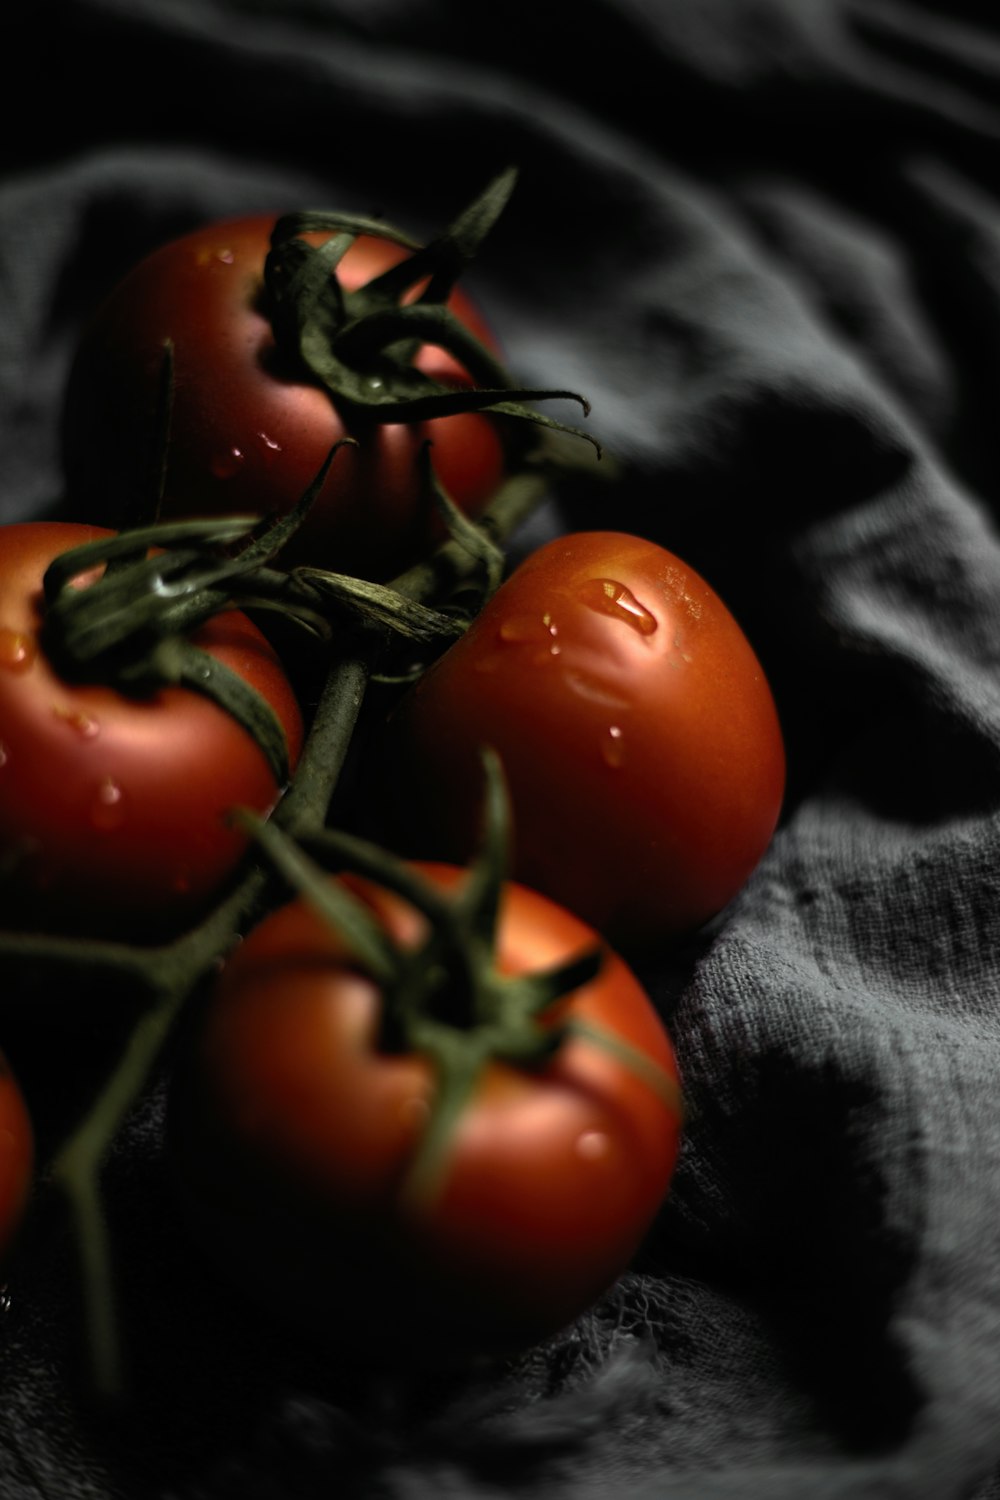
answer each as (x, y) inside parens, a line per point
(76, 1170)
(169, 975)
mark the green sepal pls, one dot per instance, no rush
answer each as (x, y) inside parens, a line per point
(126, 545)
(329, 221)
(359, 345)
(176, 661)
(444, 259)
(347, 915)
(663, 1084)
(379, 605)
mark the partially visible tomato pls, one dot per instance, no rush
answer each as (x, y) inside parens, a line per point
(112, 807)
(638, 734)
(17, 1156)
(248, 435)
(294, 1131)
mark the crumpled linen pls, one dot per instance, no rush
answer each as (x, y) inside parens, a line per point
(763, 237)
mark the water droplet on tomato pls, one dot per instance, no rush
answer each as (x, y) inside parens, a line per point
(108, 808)
(269, 444)
(609, 597)
(613, 746)
(537, 631)
(227, 464)
(77, 719)
(18, 649)
(592, 1145)
(209, 255)
(531, 630)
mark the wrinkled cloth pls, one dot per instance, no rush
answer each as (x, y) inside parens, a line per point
(763, 238)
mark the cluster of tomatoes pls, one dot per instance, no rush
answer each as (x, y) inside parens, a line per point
(640, 752)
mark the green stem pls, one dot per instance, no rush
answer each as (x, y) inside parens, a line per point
(171, 974)
(41, 954)
(174, 972)
(304, 807)
(76, 1169)
(458, 1061)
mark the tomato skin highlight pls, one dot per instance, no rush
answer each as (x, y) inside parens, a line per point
(112, 808)
(248, 437)
(639, 737)
(293, 1132)
(17, 1156)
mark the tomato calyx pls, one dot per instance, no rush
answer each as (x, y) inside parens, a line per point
(360, 345)
(130, 627)
(444, 997)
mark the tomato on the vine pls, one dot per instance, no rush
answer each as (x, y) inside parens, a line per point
(297, 1122)
(17, 1155)
(249, 431)
(636, 728)
(113, 807)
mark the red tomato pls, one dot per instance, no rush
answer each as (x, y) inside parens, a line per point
(639, 737)
(112, 807)
(17, 1155)
(294, 1132)
(248, 436)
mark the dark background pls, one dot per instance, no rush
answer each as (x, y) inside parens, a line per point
(763, 236)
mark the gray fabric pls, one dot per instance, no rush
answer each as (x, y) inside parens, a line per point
(764, 238)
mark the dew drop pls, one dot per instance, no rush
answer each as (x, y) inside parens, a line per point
(532, 630)
(539, 632)
(108, 809)
(592, 1145)
(18, 649)
(226, 465)
(77, 719)
(269, 443)
(608, 597)
(613, 746)
(211, 254)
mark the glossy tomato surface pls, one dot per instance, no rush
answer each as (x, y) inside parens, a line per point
(248, 435)
(637, 730)
(294, 1132)
(112, 808)
(17, 1156)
